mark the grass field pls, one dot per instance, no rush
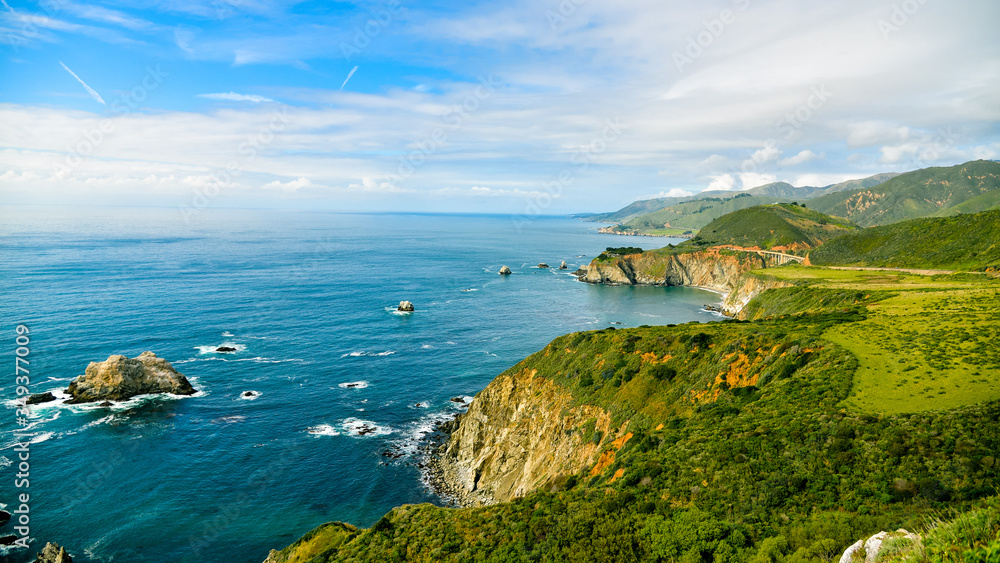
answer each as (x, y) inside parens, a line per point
(930, 346)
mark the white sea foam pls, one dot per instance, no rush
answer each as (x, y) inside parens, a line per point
(426, 346)
(323, 430)
(364, 428)
(415, 432)
(362, 353)
(353, 385)
(255, 359)
(4, 462)
(470, 289)
(233, 418)
(211, 349)
(226, 333)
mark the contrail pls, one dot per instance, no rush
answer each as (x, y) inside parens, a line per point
(6, 5)
(349, 75)
(91, 91)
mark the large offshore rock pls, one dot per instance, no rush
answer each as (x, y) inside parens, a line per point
(119, 378)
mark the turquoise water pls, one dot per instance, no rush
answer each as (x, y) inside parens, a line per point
(308, 300)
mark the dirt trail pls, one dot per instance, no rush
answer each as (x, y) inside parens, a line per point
(907, 270)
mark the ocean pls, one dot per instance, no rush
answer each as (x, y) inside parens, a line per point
(308, 300)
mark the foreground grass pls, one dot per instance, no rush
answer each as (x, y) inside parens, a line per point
(928, 342)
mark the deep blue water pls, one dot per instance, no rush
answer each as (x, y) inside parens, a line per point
(308, 299)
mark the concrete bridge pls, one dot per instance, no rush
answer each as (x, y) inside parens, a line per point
(780, 258)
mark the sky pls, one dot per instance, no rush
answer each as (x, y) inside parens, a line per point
(533, 107)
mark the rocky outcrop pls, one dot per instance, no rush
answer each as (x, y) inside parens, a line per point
(543, 265)
(708, 268)
(225, 349)
(52, 553)
(870, 549)
(714, 269)
(519, 433)
(39, 398)
(405, 306)
(504, 271)
(119, 378)
(563, 266)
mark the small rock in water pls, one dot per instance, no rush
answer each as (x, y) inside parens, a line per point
(504, 271)
(365, 429)
(40, 398)
(563, 265)
(405, 306)
(4, 517)
(249, 394)
(52, 553)
(225, 349)
(106, 404)
(7, 540)
(543, 265)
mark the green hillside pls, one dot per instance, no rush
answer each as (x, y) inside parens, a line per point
(768, 226)
(965, 188)
(962, 242)
(693, 215)
(644, 215)
(741, 449)
(851, 402)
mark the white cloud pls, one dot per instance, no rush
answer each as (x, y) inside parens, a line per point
(291, 185)
(801, 158)
(753, 179)
(724, 182)
(234, 97)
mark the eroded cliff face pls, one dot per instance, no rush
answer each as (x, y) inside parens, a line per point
(707, 268)
(748, 287)
(519, 433)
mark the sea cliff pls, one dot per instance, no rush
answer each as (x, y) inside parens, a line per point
(714, 269)
(518, 434)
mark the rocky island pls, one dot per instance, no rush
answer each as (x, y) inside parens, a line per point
(120, 378)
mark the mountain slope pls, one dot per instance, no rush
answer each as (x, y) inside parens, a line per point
(962, 242)
(779, 226)
(694, 212)
(966, 188)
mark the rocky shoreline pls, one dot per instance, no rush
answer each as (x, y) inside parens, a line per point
(440, 476)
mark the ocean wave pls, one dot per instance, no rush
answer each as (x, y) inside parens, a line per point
(353, 385)
(362, 353)
(323, 430)
(38, 438)
(426, 346)
(233, 418)
(358, 427)
(226, 333)
(470, 289)
(255, 359)
(414, 434)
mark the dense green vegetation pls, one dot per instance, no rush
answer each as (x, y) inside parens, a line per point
(963, 242)
(768, 226)
(612, 252)
(742, 450)
(849, 402)
(930, 192)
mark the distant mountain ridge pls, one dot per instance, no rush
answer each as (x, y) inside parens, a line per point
(774, 189)
(930, 192)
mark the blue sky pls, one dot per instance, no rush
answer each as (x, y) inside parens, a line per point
(528, 107)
